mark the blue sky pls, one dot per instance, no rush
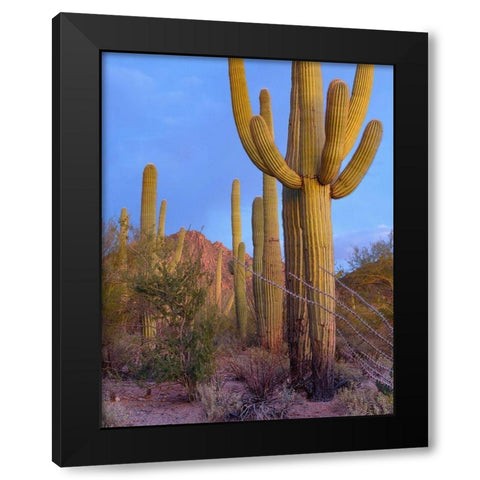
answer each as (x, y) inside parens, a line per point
(175, 112)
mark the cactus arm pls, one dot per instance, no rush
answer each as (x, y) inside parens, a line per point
(273, 158)
(358, 166)
(312, 131)
(242, 110)
(291, 157)
(359, 101)
(335, 127)
(266, 109)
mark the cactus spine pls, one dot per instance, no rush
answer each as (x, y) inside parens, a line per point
(258, 292)
(238, 278)
(218, 281)
(321, 144)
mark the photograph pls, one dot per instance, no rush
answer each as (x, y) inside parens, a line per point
(247, 240)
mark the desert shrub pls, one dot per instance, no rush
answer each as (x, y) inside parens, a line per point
(186, 356)
(121, 351)
(261, 371)
(274, 406)
(219, 404)
(265, 374)
(113, 413)
(366, 401)
(347, 375)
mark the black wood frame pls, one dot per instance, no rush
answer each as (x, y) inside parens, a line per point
(78, 41)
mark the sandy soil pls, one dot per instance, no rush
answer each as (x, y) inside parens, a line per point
(167, 404)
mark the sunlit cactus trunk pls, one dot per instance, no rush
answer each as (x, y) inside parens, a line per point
(317, 146)
(258, 285)
(272, 255)
(148, 215)
(161, 224)
(147, 234)
(241, 292)
(238, 270)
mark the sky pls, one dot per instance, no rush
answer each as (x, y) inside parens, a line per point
(175, 112)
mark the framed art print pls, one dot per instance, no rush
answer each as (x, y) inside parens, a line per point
(240, 239)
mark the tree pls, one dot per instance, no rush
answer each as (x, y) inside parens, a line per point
(184, 349)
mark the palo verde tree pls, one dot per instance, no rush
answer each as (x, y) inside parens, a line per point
(317, 145)
(184, 352)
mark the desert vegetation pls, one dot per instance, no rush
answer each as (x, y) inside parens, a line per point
(195, 331)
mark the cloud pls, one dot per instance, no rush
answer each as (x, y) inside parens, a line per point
(131, 77)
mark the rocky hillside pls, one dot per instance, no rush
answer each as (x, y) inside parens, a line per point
(197, 244)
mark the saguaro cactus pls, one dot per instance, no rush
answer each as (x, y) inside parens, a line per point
(238, 278)
(147, 231)
(218, 281)
(149, 203)
(161, 223)
(319, 144)
(272, 255)
(123, 239)
(178, 249)
(258, 292)
(241, 292)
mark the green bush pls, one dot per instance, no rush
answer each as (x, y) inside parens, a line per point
(183, 349)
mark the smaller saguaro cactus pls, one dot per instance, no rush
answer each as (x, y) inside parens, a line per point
(238, 271)
(258, 286)
(161, 223)
(218, 281)
(178, 249)
(241, 292)
(123, 239)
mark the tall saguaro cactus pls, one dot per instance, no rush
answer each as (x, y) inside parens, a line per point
(258, 292)
(317, 146)
(147, 231)
(272, 255)
(238, 279)
(149, 203)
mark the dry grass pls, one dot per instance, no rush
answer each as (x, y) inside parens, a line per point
(366, 401)
(219, 404)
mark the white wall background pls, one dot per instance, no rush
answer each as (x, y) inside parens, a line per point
(25, 176)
